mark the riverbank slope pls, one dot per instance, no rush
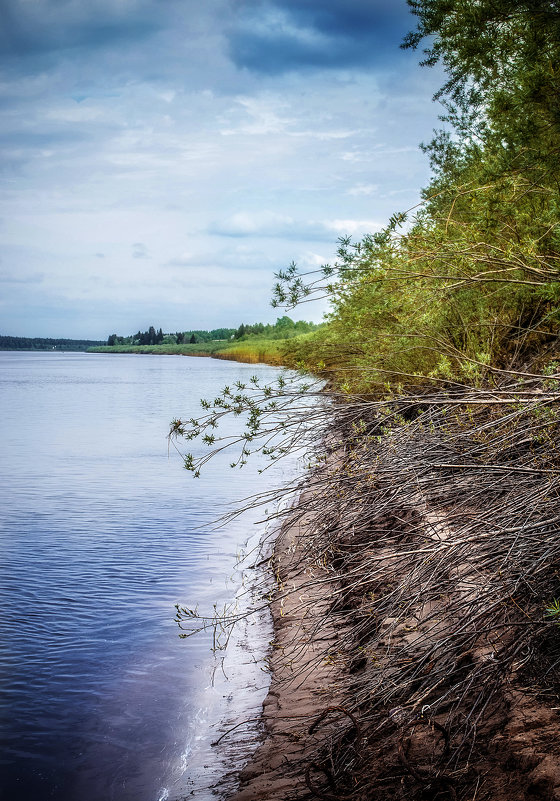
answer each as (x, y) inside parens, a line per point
(414, 657)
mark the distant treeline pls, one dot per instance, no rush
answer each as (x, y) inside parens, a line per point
(42, 343)
(283, 328)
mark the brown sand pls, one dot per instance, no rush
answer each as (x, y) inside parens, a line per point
(303, 681)
(517, 759)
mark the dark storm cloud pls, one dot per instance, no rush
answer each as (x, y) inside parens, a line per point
(277, 36)
(32, 34)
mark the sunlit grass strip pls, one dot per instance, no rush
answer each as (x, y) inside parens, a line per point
(251, 352)
(265, 351)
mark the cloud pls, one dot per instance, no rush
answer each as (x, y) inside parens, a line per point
(250, 224)
(358, 154)
(168, 156)
(182, 260)
(354, 227)
(280, 36)
(267, 114)
(140, 251)
(361, 190)
(272, 225)
(269, 225)
(243, 255)
(31, 278)
(34, 140)
(33, 31)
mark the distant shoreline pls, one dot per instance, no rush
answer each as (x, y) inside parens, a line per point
(268, 352)
(249, 352)
(8, 343)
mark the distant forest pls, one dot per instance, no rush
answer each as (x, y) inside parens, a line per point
(42, 343)
(283, 328)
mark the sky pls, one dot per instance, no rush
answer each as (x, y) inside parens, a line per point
(162, 159)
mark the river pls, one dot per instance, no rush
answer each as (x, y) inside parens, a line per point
(102, 532)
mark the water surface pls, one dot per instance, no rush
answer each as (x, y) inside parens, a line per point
(100, 536)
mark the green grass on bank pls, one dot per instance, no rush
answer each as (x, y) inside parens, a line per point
(200, 349)
(253, 351)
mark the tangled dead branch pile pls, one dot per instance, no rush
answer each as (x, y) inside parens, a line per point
(433, 524)
(439, 522)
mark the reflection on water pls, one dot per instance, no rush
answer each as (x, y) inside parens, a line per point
(100, 537)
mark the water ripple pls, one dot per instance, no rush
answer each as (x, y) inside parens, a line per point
(100, 535)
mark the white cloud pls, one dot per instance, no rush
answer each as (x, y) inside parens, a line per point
(261, 117)
(258, 223)
(362, 190)
(270, 224)
(150, 171)
(354, 227)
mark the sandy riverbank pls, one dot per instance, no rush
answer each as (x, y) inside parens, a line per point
(303, 682)
(379, 690)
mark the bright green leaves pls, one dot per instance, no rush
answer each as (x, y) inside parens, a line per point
(502, 93)
(552, 611)
(268, 421)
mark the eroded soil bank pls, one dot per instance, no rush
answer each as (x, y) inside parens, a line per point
(413, 658)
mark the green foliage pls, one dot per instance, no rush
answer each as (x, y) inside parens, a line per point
(283, 328)
(44, 343)
(252, 350)
(471, 282)
(502, 90)
(552, 611)
(214, 340)
(463, 294)
(268, 424)
(204, 336)
(149, 337)
(200, 349)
